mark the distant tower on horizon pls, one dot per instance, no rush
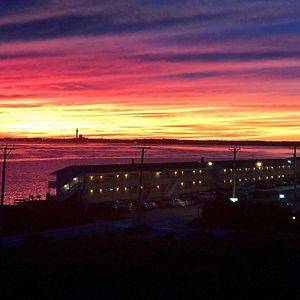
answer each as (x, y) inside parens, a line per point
(77, 136)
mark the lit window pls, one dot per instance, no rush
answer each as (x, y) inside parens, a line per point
(182, 183)
(272, 177)
(200, 171)
(101, 177)
(91, 177)
(225, 170)
(126, 175)
(157, 186)
(157, 173)
(182, 172)
(75, 179)
(100, 190)
(194, 182)
(199, 181)
(175, 172)
(117, 189)
(194, 171)
(259, 164)
(92, 191)
(240, 180)
(125, 188)
(231, 170)
(210, 163)
(118, 176)
(230, 180)
(224, 181)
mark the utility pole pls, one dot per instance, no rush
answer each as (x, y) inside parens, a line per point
(143, 148)
(234, 150)
(295, 170)
(6, 151)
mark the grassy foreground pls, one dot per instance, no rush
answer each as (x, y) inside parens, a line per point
(122, 266)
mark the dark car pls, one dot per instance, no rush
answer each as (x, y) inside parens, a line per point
(145, 205)
(124, 206)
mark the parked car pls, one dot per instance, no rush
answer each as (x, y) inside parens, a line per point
(279, 182)
(206, 195)
(124, 206)
(152, 204)
(179, 202)
(188, 202)
(145, 205)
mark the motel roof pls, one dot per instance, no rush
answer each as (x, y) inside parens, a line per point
(110, 168)
(130, 167)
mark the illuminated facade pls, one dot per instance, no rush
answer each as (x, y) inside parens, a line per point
(101, 183)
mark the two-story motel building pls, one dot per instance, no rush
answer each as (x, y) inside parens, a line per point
(101, 183)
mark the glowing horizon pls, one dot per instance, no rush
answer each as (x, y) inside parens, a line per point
(150, 69)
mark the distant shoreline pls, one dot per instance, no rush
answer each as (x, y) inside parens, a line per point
(151, 141)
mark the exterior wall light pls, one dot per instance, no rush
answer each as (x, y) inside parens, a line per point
(234, 199)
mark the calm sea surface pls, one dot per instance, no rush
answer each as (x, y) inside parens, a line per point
(30, 165)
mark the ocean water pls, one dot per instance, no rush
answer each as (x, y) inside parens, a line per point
(29, 167)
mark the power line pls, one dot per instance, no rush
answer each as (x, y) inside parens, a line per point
(294, 148)
(234, 149)
(6, 150)
(143, 148)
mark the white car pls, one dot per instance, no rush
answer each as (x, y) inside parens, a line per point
(178, 202)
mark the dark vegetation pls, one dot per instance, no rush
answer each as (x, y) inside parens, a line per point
(42, 215)
(247, 216)
(121, 266)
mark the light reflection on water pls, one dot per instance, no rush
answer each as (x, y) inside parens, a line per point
(30, 165)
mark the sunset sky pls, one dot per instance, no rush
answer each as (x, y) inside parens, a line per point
(210, 69)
